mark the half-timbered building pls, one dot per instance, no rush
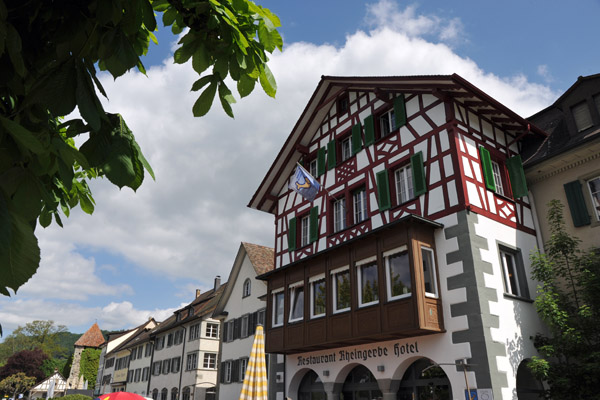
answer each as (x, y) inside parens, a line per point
(409, 271)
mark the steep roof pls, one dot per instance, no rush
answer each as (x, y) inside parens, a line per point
(261, 257)
(92, 338)
(556, 120)
(262, 260)
(330, 88)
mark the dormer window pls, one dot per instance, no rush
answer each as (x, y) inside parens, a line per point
(582, 116)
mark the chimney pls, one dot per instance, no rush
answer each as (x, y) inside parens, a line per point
(198, 293)
(217, 282)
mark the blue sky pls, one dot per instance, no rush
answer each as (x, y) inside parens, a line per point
(143, 254)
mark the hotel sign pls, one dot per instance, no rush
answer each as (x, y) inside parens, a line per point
(360, 354)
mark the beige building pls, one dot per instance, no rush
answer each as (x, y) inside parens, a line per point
(566, 165)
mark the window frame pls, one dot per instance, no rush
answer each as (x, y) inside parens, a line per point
(244, 326)
(339, 218)
(246, 288)
(313, 281)
(387, 255)
(166, 367)
(389, 114)
(405, 170)
(342, 105)
(363, 208)
(212, 330)
(277, 319)
(498, 177)
(345, 147)
(594, 199)
(508, 282)
(175, 361)
(334, 273)
(576, 110)
(432, 273)
(304, 230)
(359, 265)
(294, 289)
(191, 356)
(209, 359)
(229, 330)
(520, 277)
(243, 367)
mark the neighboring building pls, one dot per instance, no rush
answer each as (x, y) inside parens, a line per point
(53, 386)
(92, 338)
(414, 256)
(186, 347)
(108, 366)
(241, 308)
(139, 348)
(566, 165)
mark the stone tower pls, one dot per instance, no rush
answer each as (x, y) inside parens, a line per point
(92, 338)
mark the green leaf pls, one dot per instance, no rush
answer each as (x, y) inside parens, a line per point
(204, 102)
(267, 81)
(143, 160)
(86, 204)
(27, 199)
(200, 83)
(200, 60)
(123, 56)
(221, 67)
(19, 251)
(66, 174)
(45, 218)
(56, 90)
(87, 101)
(226, 98)
(183, 54)
(169, 16)
(149, 20)
(269, 38)
(245, 85)
(22, 136)
(13, 45)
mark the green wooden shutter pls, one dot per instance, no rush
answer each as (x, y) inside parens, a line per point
(518, 183)
(321, 161)
(369, 130)
(356, 139)
(314, 224)
(418, 174)
(579, 211)
(292, 234)
(331, 161)
(383, 190)
(400, 111)
(486, 165)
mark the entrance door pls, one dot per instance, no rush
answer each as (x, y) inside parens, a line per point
(360, 384)
(311, 387)
(424, 380)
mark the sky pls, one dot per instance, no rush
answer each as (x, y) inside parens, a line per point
(144, 254)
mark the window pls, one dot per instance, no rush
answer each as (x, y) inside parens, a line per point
(582, 116)
(109, 363)
(511, 277)
(212, 330)
(164, 393)
(166, 366)
(211, 393)
(155, 394)
(174, 393)
(341, 290)
(387, 123)
(304, 231)
(192, 361)
(148, 351)
(145, 373)
(138, 374)
(243, 366)
(359, 203)
(318, 297)
(296, 302)
(404, 184)
(170, 340)
(368, 282)
(244, 331)
(247, 288)
(498, 178)
(260, 317)
(339, 215)
(429, 274)
(175, 364)
(343, 104)
(160, 343)
(210, 361)
(594, 188)
(156, 368)
(346, 148)
(230, 326)
(129, 376)
(397, 269)
(278, 304)
(185, 393)
(226, 371)
(194, 332)
(312, 167)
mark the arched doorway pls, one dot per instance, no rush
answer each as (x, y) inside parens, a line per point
(360, 384)
(424, 380)
(311, 387)
(528, 387)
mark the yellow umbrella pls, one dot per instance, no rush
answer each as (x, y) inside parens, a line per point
(255, 380)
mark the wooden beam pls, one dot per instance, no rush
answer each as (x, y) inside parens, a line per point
(302, 149)
(474, 103)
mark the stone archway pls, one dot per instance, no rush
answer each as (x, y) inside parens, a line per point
(528, 387)
(311, 387)
(424, 380)
(360, 384)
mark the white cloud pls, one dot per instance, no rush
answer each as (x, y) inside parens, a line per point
(544, 72)
(189, 223)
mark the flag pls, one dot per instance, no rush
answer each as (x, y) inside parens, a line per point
(303, 183)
